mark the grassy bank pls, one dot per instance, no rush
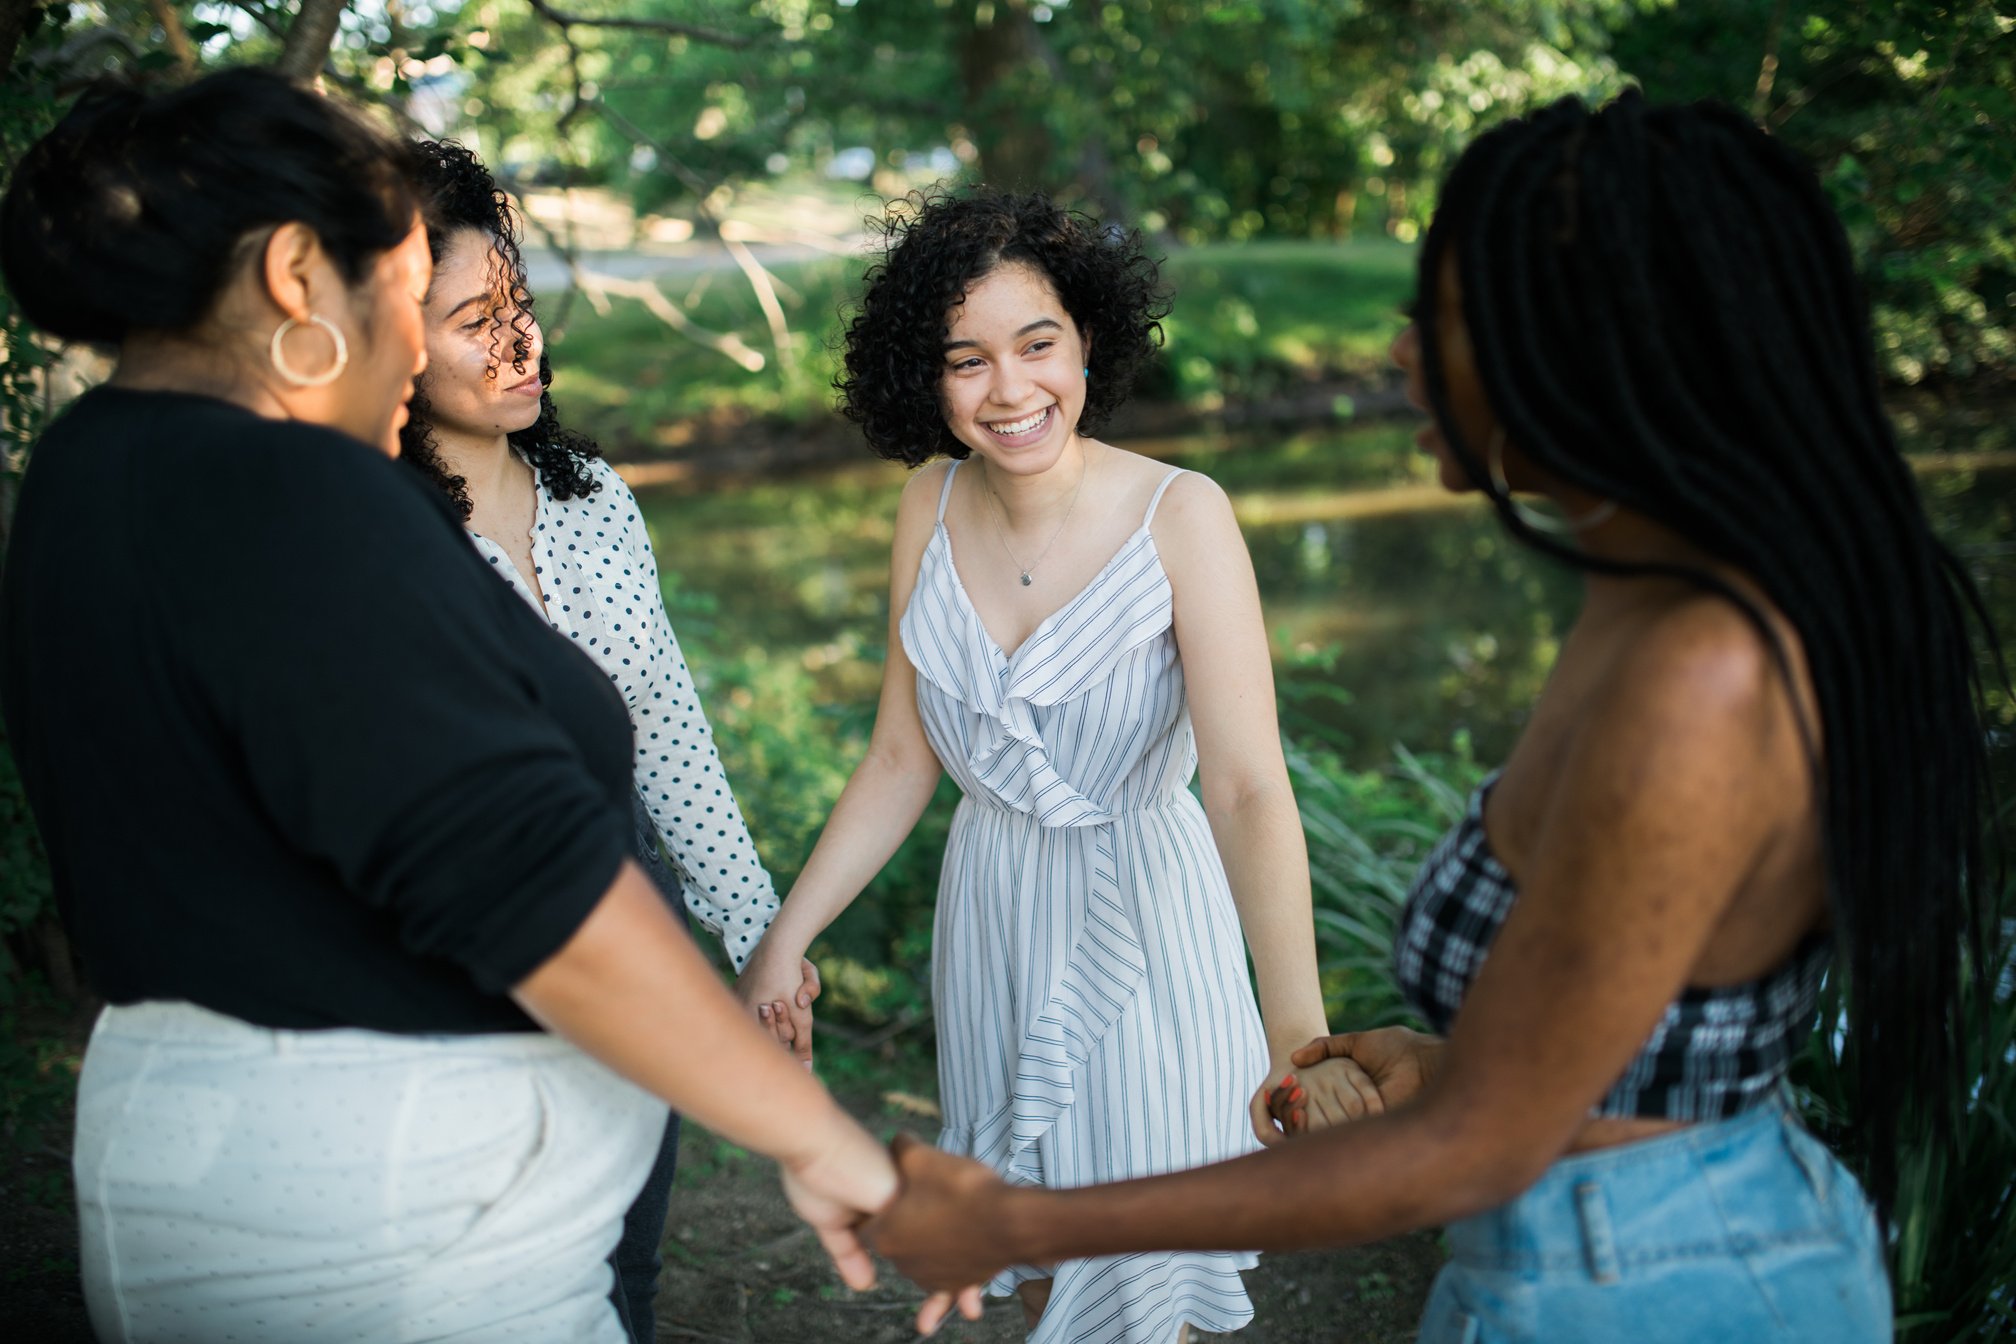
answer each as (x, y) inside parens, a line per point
(1252, 321)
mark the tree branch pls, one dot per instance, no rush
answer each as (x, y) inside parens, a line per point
(310, 38)
(262, 16)
(172, 32)
(17, 17)
(712, 37)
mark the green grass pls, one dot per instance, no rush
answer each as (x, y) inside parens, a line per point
(1251, 321)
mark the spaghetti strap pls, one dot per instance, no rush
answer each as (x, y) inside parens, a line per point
(1149, 517)
(945, 490)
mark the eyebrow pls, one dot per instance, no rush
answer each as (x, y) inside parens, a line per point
(1037, 325)
(473, 298)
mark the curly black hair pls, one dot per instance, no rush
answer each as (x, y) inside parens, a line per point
(936, 246)
(458, 193)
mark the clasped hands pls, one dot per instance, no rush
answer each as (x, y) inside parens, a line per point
(951, 1225)
(1343, 1078)
(781, 997)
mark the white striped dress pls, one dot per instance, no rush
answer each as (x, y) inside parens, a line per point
(1095, 1021)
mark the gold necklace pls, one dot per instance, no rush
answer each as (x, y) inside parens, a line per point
(999, 513)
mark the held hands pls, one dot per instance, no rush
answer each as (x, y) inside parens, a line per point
(781, 996)
(1336, 1092)
(835, 1190)
(1396, 1063)
(942, 1229)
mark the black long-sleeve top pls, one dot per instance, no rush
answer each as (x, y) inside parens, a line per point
(296, 755)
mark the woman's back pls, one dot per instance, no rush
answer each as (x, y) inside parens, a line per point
(224, 681)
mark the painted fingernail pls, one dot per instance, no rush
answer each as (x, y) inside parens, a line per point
(763, 1010)
(1287, 1080)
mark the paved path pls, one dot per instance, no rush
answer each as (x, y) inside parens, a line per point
(547, 273)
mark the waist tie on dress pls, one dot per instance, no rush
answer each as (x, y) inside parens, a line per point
(1090, 988)
(1090, 814)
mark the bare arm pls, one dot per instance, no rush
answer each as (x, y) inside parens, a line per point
(1229, 681)
(889, 788)
(631, 989)
(1681, 777)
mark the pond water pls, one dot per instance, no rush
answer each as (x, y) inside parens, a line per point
(1397, 613)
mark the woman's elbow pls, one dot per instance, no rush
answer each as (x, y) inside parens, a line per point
(1245, 796)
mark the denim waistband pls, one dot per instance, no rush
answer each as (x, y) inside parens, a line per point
(1750, 1182)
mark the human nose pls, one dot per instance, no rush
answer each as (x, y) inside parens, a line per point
(1010, 384)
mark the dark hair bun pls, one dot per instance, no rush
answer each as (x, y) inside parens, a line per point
(129, 214)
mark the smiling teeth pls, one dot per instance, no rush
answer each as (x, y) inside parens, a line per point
(1020, 426)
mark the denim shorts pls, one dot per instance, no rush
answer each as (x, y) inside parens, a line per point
(1730, 1232)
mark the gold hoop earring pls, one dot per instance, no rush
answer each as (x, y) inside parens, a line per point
(323, 379)
(1494, 462)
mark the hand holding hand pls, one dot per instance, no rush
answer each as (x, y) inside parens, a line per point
(1336, 1094)
(1396, 1061)
(836, 1191)
(781, 995)
(942, 1229)
(1318, 1096)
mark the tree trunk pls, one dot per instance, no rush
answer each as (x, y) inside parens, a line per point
(57, 962)
(16, 18)
(997, 56)
(309, 40)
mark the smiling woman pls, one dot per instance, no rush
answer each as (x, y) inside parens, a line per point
(1076, 629)
(560, 527)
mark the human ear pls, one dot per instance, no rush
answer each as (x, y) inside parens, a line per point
(287, 266)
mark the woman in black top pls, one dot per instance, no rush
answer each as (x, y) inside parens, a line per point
(336, 822)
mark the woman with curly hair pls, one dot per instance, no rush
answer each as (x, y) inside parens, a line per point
(557, 523)
(1760, 758)
(1075, 630)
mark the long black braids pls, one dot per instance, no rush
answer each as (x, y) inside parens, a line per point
(1665, 312)
(457, 192)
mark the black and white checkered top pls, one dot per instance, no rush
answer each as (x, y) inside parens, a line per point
(1715, 1053)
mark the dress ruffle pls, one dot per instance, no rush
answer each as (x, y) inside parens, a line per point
(1007, 754)
(1094, 984)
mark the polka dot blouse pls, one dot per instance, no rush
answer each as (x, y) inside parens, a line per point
(593, 560)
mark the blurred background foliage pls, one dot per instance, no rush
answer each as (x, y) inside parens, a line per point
(695, 174)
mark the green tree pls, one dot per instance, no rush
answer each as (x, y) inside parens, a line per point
(1907, 109)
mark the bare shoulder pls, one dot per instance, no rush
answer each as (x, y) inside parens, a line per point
(1194, 508)
(1702, 652)
(916, 514)
(923, 487)
(917, 508)
(1697, 696)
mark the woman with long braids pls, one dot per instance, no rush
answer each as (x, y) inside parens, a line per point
(1759, 754)
(558, 524)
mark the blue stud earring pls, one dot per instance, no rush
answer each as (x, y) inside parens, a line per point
(1088, 370)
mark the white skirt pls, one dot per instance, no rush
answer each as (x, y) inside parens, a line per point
(237, 1182)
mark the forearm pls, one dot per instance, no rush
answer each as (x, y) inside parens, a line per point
(875, 812)
(631, 989)
(1266, 861)
(1370, 1180)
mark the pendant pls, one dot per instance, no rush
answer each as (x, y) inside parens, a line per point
(1025, 580)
